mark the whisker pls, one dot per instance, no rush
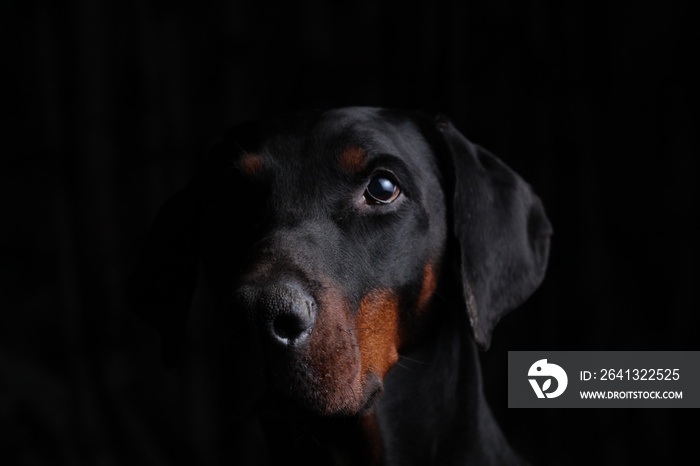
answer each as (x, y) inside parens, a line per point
(411, 359)
(402, 366)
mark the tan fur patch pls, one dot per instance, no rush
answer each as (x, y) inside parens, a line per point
(353, 159)
(334, 356)
(378, 332)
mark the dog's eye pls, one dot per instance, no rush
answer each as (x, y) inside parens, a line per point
(382, 189)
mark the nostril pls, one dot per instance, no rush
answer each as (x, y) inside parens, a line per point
(289, 326)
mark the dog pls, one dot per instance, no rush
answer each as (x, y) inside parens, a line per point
(358, 259)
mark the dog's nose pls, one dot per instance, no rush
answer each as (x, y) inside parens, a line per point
(283, 312)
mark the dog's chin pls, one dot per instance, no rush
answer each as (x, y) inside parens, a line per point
(323, 402)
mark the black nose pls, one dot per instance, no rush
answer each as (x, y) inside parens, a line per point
(283, 312)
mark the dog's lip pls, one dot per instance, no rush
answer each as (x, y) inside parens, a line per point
(278, 403)
(372, 391)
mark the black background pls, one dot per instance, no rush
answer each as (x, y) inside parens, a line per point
(109, 105)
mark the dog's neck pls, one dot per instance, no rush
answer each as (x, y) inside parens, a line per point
(434, 410)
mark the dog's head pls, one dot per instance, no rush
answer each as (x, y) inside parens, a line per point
(324, 238)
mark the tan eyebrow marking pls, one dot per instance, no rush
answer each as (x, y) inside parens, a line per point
(250, 164)
(353, 159)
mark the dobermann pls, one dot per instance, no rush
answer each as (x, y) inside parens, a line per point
(358, 259)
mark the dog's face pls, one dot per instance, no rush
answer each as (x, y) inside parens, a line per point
(324, 239)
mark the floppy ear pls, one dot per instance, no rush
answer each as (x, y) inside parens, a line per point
(161, 289)
(502, 232)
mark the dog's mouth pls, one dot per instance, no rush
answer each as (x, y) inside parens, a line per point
(373, 391)
(301, 391)
(306, 405)
(298, 385)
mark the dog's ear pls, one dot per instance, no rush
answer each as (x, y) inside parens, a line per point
(501, 230)
(160, 290)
